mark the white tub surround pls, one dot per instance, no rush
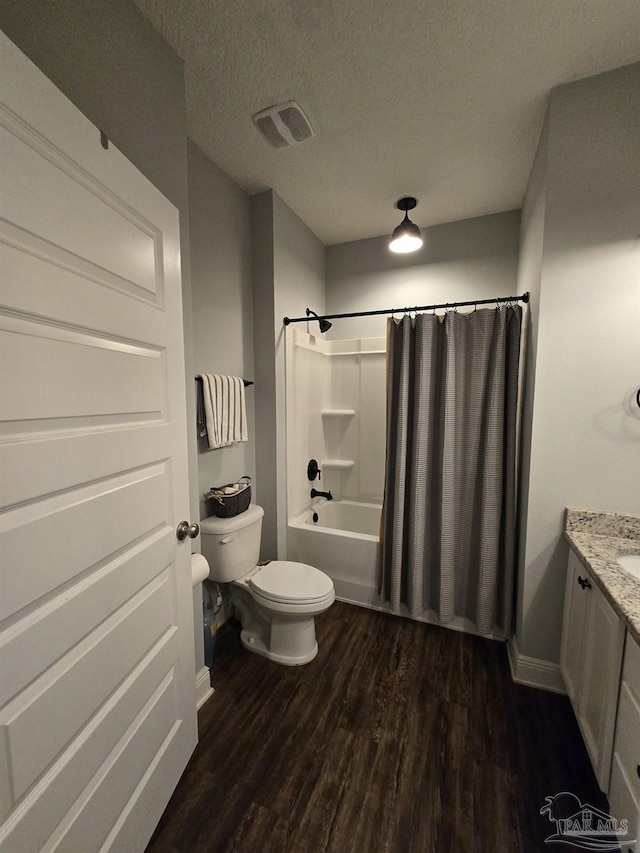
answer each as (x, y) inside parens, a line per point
(335, 414)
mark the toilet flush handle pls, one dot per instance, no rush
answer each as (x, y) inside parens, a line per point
(226, 539)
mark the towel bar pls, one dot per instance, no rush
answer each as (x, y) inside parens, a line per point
(245, 382)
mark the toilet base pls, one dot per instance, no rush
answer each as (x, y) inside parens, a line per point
(255, 644)
(287, 638)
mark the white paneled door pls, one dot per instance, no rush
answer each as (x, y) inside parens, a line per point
(97, 693)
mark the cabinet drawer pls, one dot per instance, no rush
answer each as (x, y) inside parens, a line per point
(623, 805)
(631, 667)
(627, 742)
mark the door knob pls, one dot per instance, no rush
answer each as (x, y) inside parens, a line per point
(185, 529)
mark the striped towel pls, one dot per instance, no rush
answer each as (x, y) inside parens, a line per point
(225, 414)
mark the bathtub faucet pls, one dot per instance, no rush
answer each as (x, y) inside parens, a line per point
(316, 494)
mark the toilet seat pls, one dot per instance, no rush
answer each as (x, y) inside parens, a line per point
(286, 582)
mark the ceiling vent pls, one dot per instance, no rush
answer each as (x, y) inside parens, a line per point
(284, 125)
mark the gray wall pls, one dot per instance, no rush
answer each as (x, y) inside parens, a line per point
(265, 368)
(222, 296)
(299, 272)
(289, 275)
(585, 435)
(107, 58)
(473, 258)
(529, 279)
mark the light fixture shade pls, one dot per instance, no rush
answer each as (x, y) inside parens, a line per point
(406, 237)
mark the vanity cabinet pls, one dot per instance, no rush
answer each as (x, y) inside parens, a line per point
(624, 789)
(590, 663)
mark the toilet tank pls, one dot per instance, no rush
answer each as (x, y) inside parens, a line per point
(231, 546)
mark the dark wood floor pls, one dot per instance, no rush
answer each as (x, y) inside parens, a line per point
(399, 737)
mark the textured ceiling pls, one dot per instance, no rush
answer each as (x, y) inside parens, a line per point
(441, 99)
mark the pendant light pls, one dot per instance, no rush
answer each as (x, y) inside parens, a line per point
(406, 237)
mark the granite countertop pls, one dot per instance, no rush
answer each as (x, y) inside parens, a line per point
(599, 538)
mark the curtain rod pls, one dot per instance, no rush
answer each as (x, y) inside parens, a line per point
(523, 298)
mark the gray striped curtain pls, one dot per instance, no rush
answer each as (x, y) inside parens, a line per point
(448, 529)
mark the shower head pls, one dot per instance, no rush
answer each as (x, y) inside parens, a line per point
(325, 325)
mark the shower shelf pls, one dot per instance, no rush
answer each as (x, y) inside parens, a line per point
(338, 413)
(337, 463)
(359, 352)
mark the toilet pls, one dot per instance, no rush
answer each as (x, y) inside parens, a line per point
(276, 602)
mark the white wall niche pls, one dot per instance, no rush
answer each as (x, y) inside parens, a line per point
(335, 414)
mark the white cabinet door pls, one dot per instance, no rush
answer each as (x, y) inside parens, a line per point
(624, 791)
(623, 805)
(603, 644)
(97, 696)
(590, 663)
(575, 604)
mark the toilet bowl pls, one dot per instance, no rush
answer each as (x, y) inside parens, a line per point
(276, 602)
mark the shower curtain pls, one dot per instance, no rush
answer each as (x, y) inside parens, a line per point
(448, 528)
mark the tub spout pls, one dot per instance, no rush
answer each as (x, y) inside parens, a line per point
(316, 494)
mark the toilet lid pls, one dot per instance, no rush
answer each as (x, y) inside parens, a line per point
(282, 580)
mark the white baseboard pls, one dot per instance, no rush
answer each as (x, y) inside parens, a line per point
(204, 690)
(534, 672)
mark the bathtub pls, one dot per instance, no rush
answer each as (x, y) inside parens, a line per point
(344, 543)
